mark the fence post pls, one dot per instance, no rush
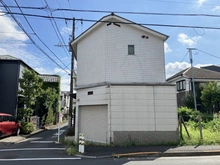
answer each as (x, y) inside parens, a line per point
(81, 143)
(180, 125)
(200, 127)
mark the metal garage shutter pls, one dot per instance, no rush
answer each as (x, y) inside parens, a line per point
(93, 123)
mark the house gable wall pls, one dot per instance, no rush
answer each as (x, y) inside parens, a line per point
(91, 58)
(103, 56)
(147, 63)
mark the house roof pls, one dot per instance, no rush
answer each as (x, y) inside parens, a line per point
(212, 67)
(8, 57)
(50, 78)
(199, 73)
(119, 20)
(11, 58)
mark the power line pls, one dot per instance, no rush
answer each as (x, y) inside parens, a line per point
(209, 54)
(39, 37)
(119, 12)
(22, 28)
(90, 20)
(179, 64)
(57, 30)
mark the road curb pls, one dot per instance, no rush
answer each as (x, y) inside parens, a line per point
(168, 154)
(93, 157)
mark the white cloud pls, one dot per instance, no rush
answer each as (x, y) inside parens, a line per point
(3, 51)
(8, 30)
(216, 8)
(173, 68)
(66, 31)
(167, 48)
(184, 39)
(202, 65)
(200, 2)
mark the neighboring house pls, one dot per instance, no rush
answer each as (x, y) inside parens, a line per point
(65, 99)
(53, 81)
(122, 94)
(212, 67)
(11, 70)
(183, 81)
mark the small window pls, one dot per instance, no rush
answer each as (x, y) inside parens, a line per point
(130, 49)
(90, 93)
(0, 118)
(181, 85)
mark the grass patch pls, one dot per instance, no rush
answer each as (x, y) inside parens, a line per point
(210, 137)
(71, 150)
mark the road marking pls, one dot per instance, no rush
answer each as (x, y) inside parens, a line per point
(31, 149)
(42, 142)
(57, 133)
(32, 159)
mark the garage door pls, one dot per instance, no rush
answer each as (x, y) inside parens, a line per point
(93, 123)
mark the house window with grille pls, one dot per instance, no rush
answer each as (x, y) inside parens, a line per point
(130, 49)
(181, 85)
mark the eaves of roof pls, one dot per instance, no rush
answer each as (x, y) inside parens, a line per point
(50, 78)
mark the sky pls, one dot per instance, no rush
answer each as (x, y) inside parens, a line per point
(43, 43)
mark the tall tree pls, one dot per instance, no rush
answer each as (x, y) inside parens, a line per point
(211, 96)
(30, 89)
(45, 106)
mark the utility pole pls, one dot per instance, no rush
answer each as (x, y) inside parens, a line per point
(192, 72)
(194, 91)
(71, 80)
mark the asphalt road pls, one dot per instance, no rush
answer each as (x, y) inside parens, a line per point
(211, 160)
(43, 149)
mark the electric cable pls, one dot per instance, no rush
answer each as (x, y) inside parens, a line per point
(22, 28)
(39, 37)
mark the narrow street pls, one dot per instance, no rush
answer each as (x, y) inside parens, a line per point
(42, 148)
(43, 145)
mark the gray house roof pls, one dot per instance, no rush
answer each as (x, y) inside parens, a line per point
(50, 78)
(8, 57)
(212, 67)
(199, 73)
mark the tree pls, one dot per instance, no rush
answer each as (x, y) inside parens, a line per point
(45, 105)
(211, 96)
(30, 89)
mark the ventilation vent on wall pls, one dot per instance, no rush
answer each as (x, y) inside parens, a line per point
(90, 93)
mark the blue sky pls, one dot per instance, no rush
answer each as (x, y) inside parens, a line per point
(14, 42)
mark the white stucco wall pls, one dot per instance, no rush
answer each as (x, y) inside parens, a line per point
(91, 58)
(103, 56)
(147, 65)
(143, 108)
(133, 108)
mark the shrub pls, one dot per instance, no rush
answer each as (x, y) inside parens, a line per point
(214, 124)
(71, 150)
(188, 114)
(185, 113)
(27, 127)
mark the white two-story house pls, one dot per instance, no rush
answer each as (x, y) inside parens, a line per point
(122, 94)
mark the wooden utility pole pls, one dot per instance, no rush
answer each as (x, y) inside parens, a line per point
(194, 92)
